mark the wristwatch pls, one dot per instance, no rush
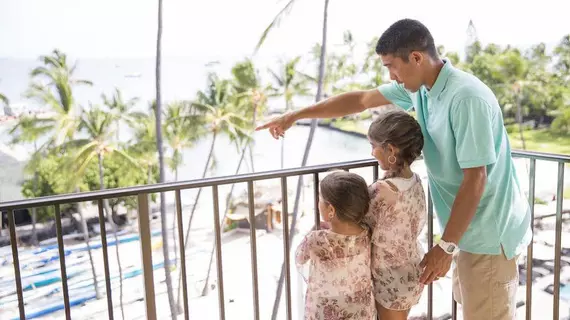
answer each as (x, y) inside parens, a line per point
(448, 247)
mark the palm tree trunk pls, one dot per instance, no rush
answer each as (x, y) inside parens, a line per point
(305, 157)
(174, 231)
(86, 239)
(283, 138)
(174, 242)
(282, 152)
(228, 198)
(287, 108)
(210, 156)
(114, 227)
(149, 181)
(187, 235)
(174, 309)
(34, 237)
(251, 142)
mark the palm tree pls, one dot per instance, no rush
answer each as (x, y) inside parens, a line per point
(182, 128)
(99, 144)
(290, 83)
(322, 63)
(246, 80)
(252, 95)
(143, 144)
(51, 87)
(120, 108)
(340, 68)
(61, 123)
(174, 309)
(219, 106)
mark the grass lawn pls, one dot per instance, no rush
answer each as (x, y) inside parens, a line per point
(350, 125)
(541, 140)
(536, 140)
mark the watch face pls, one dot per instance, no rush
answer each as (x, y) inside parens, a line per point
(451, 248)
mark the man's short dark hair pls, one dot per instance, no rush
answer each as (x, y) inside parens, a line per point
(405, 36)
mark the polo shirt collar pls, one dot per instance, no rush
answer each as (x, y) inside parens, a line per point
(441, 80)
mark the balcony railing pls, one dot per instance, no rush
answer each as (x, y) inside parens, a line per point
(142, 193)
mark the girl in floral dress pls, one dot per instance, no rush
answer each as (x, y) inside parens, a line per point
(397, 215)
(337, 257)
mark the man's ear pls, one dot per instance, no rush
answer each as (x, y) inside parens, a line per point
(416, 57)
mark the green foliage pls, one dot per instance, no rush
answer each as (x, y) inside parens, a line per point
(118, 173)
(534, 83)
(526, 78)
(288, 82)
(562, 122)
(222, 111)
(52, 180)
(49, 180)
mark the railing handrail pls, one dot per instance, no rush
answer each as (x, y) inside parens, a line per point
(547, 156)
(222, 180)
(179, 185)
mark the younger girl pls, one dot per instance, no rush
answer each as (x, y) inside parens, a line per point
(397, 215)
(338, 259)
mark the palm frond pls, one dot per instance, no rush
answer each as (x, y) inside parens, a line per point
(277, 78)
(4, 99)
(308, 77)
(126, 156)
(83, 82)
(274, 24)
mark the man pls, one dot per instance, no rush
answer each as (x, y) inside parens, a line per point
(473, 183)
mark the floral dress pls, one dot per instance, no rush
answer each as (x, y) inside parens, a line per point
(396, 218)
(336, 268)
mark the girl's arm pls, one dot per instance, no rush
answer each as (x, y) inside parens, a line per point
(303, 253)
(380, 193)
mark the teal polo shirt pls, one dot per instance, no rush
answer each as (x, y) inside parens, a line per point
(463, 127)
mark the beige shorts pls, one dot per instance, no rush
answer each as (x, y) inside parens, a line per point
(486, 286)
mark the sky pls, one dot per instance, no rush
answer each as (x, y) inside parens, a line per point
(219, 29)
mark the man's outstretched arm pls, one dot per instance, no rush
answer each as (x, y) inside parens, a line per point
(343, 105)
(337, 106)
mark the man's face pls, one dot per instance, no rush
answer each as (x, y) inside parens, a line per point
(406, 73)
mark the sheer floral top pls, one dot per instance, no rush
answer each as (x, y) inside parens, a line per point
(396, 217)
(337, 271)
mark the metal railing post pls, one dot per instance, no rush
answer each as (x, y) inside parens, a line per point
(146, 256)
(531, 187)
(558, 241)
(16, 262)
